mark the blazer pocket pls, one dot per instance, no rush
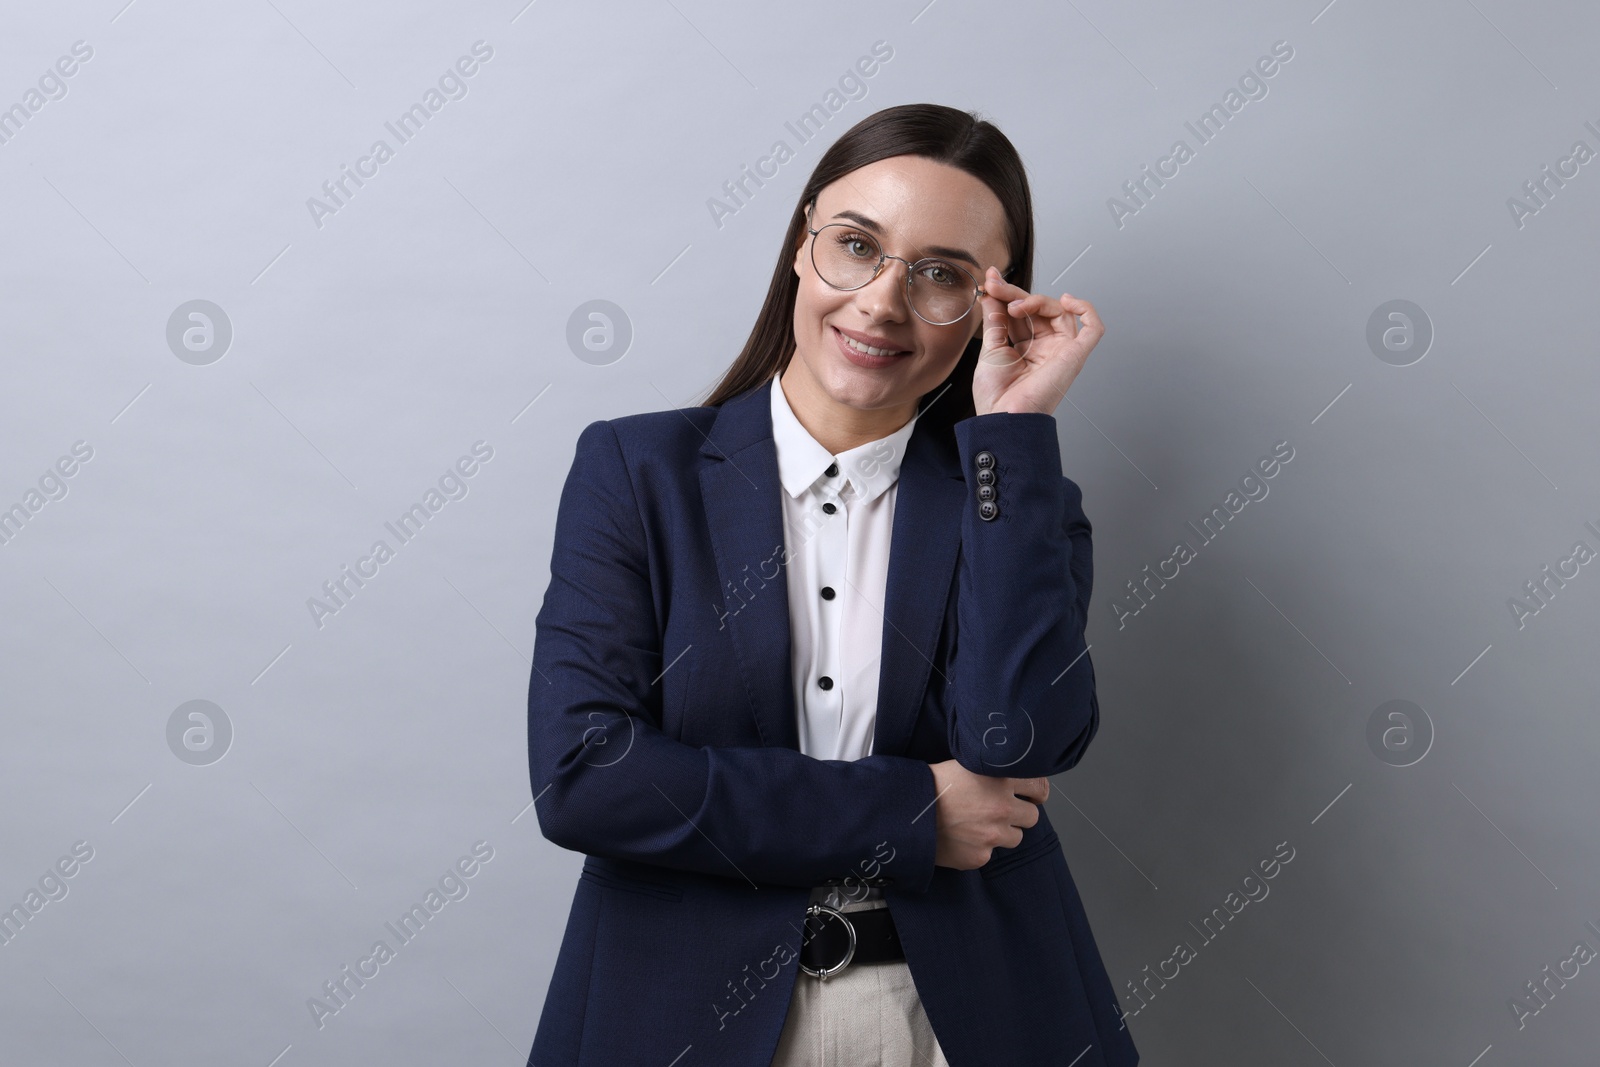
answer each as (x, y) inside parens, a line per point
(1028, 851)
(613, 879)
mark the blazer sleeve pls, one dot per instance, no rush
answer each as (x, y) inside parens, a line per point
(1024, 695)
(608, 782)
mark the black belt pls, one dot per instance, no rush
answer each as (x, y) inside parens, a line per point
(835, 939)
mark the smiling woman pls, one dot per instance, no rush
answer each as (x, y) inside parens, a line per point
(861, 362)
(815, 833)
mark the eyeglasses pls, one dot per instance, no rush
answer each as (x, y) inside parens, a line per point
(940, 292)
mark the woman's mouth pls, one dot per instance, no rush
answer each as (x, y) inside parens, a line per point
(863, 355)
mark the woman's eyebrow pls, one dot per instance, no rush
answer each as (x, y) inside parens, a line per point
(933, 250)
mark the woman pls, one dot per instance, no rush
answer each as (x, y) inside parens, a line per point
(810, 653)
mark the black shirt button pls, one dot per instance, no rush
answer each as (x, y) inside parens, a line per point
(988, 510)
(833, 469)
(987, 492)
(829, 508)
(984, 460)
(986, 477)
(827, 592)
(825, 682)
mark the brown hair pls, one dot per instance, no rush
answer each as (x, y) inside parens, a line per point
(944, 134)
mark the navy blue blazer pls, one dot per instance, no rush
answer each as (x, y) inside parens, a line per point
(663, 743)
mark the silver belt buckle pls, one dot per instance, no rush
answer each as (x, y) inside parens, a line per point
(818, 908)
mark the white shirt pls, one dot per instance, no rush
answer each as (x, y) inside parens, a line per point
(838, 570)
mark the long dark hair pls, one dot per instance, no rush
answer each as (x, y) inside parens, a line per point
(944, 134)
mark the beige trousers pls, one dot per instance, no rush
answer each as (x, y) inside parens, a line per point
(868, 1013)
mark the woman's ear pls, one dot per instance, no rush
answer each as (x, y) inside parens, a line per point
(800, 242)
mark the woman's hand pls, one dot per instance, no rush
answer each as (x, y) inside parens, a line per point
(1035, 378)
(978, 813)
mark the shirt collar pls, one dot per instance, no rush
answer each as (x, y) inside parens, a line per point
(802, 461)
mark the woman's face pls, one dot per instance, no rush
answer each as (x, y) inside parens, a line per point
(909, 205)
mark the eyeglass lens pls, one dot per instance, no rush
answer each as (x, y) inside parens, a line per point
(846, 258)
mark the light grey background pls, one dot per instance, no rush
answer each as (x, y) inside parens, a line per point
(431, 312)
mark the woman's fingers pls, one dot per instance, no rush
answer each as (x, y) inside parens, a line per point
(1032, 789)
(1036, 304)
(1084, 310)
(995, 327)
(1066, 310)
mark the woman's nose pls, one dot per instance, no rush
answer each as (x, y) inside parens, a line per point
(885, 296)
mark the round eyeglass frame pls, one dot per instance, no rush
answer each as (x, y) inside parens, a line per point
(883, 257)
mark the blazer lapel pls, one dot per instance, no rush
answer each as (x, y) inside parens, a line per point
(922, 559)
(744, 514)
(739, 484)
